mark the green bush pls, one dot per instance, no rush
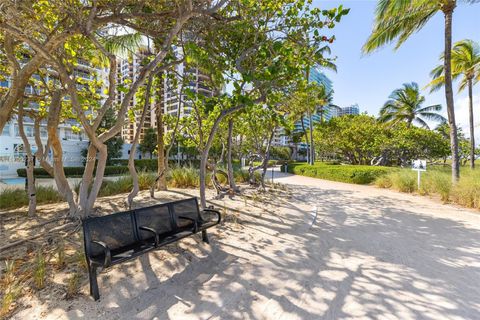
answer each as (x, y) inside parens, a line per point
(344, 173)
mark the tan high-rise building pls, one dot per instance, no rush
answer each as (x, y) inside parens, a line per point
(128, 70)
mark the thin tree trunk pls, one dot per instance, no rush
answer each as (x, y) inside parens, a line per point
(230, 174)
(31, 189)
(448, 12)
(306, 138)
(472, 130)
(61, 181)
(312, 147)
(162, 161)
(131, 158)
(266, 158)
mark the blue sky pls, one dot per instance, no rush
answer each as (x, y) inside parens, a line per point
(368, 80)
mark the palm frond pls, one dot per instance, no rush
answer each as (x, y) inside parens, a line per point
(398, 21)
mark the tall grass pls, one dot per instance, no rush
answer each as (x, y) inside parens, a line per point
(437, 181)
(15, 198)
(178, 177)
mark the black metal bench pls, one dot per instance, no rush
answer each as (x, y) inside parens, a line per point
(122, 236)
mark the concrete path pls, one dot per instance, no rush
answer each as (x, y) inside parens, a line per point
(327, 250)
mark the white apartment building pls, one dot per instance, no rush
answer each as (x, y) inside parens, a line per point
(12, 152)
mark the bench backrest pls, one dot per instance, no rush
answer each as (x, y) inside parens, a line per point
(185, 208)
(157, 217)
(116, 231)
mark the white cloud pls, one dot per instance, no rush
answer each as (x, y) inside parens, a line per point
(462, 117)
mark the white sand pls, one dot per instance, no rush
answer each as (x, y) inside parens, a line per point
(371, 254)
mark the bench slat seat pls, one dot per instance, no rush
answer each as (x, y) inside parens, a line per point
(122, 236)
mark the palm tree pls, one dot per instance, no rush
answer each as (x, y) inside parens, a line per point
(406, 105)
(398, 20)
(465, 64)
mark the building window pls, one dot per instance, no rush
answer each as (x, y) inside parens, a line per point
(6, 130)
(28, 131)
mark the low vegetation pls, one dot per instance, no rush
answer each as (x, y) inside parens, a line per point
(178, 177)
(357, 174)
(436, 181)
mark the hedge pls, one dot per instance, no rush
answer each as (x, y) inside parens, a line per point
(73, 171)
(152, 164)
(343, 173)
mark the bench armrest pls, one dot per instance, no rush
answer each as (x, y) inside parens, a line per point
(106, 251)
(219, 217)
(195, 224)
(152, 231)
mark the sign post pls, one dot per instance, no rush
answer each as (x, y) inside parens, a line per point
(419, 166)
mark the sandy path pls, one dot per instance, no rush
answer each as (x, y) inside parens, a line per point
(370, 254)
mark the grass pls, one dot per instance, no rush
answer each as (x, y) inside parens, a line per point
(178, 177)
(343, 173)
(15, 198)
(40, 270)
(437, 181)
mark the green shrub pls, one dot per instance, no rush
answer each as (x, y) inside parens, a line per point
(344, 173)
(184, 177)
(404, 181)
(383, 182)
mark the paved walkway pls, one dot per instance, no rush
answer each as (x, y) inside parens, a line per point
(332, 251)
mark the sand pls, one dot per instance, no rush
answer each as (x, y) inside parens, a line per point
(318, 250)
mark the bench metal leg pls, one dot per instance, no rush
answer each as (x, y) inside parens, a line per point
(92, 274)
(205, 236)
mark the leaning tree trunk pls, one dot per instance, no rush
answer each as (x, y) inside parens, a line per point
(448, 12)
(31, 189)
(230, 174)
(131, 158)
(472, 130)
(61, 181)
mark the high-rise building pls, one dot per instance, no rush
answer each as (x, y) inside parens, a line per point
(174, 91)
(350, 110)
(128, 71)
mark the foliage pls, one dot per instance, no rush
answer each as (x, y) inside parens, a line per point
(359, 139)
(405, 104)
(344, 173)
(149, 142)
(280, 153)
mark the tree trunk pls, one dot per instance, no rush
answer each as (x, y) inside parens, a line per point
(312, 147)
(472, 130)
(266, 158)
(448, 12)
(131, 158)
(61, 181)
(230, 174)
(31, 189)
(203, 178)
(306, 138)
(162, 160)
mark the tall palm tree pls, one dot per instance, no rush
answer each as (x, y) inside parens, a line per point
(406, 105)
(398, 20)
(465, 64)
